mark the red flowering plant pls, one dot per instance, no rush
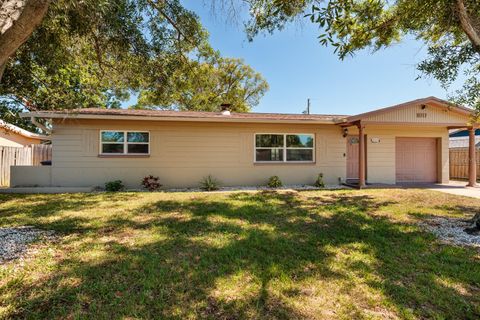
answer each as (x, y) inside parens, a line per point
(151, 183)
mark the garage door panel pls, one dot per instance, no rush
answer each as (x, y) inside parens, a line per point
(416, 160)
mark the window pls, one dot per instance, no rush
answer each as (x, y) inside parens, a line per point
(124, 142)
(284, 148)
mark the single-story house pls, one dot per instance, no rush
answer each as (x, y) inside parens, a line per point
(459, 139)
(405, 143)
(13, 136)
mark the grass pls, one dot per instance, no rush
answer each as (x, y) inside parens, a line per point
(266, 255)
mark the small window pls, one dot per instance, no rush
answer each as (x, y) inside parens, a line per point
(284, 147)
(124, 142)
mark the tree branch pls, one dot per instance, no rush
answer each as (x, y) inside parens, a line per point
(170, 20)
(467, 25)
(32, 15)
(156, 5)
(2, 70)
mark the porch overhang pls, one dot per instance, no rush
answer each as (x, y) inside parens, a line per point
(422, 113)
(450, 126)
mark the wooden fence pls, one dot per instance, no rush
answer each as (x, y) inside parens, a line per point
(459, 163)
(41, 152)
(21, 156)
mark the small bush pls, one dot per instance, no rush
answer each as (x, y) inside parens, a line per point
(114, 186)
(151, 183)
(209, 184)
(319, 182)
(275, 182)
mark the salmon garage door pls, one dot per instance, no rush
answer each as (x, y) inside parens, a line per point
(416, 160)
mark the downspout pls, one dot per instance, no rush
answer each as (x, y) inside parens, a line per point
(39, 125)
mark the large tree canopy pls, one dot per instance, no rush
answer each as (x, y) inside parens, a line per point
(205, 83)
(450, 28)
(96, 53)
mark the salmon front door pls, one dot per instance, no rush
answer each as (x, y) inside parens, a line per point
(352, 158)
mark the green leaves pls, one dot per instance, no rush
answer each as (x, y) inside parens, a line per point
(204, 84)
(96, 53)
(352, 25)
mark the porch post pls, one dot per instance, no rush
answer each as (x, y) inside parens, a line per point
(361, 154)
(472, 161)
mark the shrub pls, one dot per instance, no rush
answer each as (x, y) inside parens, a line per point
(319, 182)
(151, 183)
(274, 182)
(209, 184)
(114, 186)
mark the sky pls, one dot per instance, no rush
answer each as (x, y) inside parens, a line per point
(297, 67)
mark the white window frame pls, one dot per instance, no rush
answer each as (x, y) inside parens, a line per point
(125, 143)
(284, 148)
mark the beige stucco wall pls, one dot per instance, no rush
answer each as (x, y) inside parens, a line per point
(415, 114)
(12, 139)
(381, 167)
(30, 176)
(183, 153)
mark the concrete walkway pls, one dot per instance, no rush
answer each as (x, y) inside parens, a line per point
(458, 188)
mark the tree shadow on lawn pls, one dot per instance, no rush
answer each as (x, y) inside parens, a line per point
(244, 256)
(464, 210)
(38, 209)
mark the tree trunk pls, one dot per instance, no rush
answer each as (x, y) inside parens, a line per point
(2, 70)
(476, 219)
(469, 24)
(18, 20)
(475, 228)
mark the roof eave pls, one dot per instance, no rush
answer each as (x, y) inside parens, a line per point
(22, 132)
(40, 137)
(182, 119)
(456, 108)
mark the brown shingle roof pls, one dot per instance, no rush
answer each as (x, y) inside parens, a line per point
(168, 115)
(191, 114)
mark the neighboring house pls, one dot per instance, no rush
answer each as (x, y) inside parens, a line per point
(459, 139)
(406, 143)
(13, 136)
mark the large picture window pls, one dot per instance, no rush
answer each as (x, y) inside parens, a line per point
(284, 147)
(124, 142)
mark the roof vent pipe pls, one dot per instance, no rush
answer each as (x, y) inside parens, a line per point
(225, 107)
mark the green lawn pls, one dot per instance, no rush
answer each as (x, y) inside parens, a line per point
(266, 255)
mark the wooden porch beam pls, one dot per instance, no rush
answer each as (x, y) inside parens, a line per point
(472, 161)
(361, 154)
